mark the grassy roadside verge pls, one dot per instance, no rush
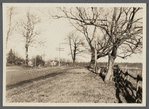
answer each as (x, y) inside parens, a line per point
(69, 86)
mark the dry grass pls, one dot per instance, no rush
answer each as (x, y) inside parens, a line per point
(72, 86)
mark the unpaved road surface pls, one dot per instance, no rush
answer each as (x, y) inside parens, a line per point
(16, 75)
(64, 86)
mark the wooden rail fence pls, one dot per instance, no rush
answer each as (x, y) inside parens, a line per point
(130, 86)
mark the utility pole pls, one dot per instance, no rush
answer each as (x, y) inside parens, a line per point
(59, 49)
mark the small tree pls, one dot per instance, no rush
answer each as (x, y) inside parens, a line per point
(75, 44)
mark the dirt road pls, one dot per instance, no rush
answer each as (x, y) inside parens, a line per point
(66, 86)
(16, 75)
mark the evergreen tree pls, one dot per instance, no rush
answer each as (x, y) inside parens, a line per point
(11, 57)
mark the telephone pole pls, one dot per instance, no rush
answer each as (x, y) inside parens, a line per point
(59, 49)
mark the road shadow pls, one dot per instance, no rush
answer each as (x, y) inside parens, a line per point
(35, 79)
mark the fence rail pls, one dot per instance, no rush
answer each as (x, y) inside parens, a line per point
(129, 85)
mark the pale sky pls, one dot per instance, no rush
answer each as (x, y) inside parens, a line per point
(54, 32)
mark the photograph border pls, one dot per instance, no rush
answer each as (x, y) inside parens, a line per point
(79, 104)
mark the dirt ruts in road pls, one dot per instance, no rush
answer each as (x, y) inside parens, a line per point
(29, 76)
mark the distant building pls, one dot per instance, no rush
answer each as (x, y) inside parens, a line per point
(30, 63)
(53, 63)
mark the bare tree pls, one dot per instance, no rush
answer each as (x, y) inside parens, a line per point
(10, 13)
(121, 26)
(75, 44)
(124, 30)
(28, 29)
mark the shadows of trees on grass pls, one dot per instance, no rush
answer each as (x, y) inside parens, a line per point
(126, 91)
(124, 88)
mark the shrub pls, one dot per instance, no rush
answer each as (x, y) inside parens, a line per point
(39, 61)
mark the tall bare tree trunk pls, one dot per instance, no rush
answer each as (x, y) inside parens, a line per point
(10, 28)
(111, 60)
(6, 42)
(110, 68)
(92, 62)
(95, 65)
(26, 47)
(74, 55)
(73, 62)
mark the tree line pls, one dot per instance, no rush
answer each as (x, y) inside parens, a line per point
(14, 59)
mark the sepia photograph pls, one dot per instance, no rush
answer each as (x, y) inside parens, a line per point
(74, 54)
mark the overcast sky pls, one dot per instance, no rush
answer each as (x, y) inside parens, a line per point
(54, 33)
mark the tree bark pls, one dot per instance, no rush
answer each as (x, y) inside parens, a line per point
(74, 54)
(111, 60)
(73, 62)
(110, 68)
(6, 42)
(26, 54)
(92, 62)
